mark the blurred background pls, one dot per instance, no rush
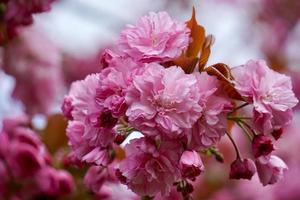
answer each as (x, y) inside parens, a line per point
(65, 44)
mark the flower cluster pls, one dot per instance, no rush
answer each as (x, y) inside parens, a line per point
(25, 57)
(25, 165)
(152, 84)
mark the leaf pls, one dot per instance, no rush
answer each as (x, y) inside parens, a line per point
(197, 36)
(205, 52)
(222, 72)
(54, 135)
(186, 63)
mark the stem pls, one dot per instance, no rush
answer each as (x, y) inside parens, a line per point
(237, 108)
(241, 125)
(249, 127)
(238, 118)
(238, 154)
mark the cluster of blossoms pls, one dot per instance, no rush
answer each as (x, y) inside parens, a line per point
(25, 57)
(25, 165)
(50, 74)
(155, 83)
(17, 13)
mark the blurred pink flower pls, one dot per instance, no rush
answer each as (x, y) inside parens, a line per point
(155, 37)
(25, 160)
(24, 152)
(163, 100)
(35, 62)
(20, 13)
(191, 164)
(270, 92)
(271, 171)
(54, 182)
(103, 183)
(211, 126)
(78, 67)
(149, 169)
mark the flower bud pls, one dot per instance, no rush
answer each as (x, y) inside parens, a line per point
(272, 171)
(277, 133)
(190, 164)
(54, 182)
(262, 145)
(242, 169)
(65, 182)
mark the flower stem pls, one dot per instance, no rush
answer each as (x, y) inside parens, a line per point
(237, 108)
(245, 130)
(238, 154)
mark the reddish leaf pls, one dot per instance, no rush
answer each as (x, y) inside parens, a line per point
(205, 52)
(186, 63)
(197, 36)
(54, 134)
(222, 72)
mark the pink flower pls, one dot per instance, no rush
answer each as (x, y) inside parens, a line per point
(269, 91)
(24, 152)
(272, 171)
(67, 107)
(95, 178)
(191, 164)
(242, 169)
(150, 167)
(155, 37)
(77, 67)
(54, 182)
(35, 56)
(115, 80)
(105, 186)
(262, 145)
(9, 123)
(84, 107)
(83, 149)
(19, 13)
(211, 126)
(82, 97)
(163, 100)
(115, 191)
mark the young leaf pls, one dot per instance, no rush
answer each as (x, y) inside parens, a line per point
(222, 72)
(54, 134)
(197, 36)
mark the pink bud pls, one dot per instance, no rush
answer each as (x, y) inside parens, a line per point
(9, 123)
(190, 164)
(65, 182)
(54, 182)
(262, 145)
(242, 169)
(47, 181)
(271, 171)
(277, 133)
(23, 160)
